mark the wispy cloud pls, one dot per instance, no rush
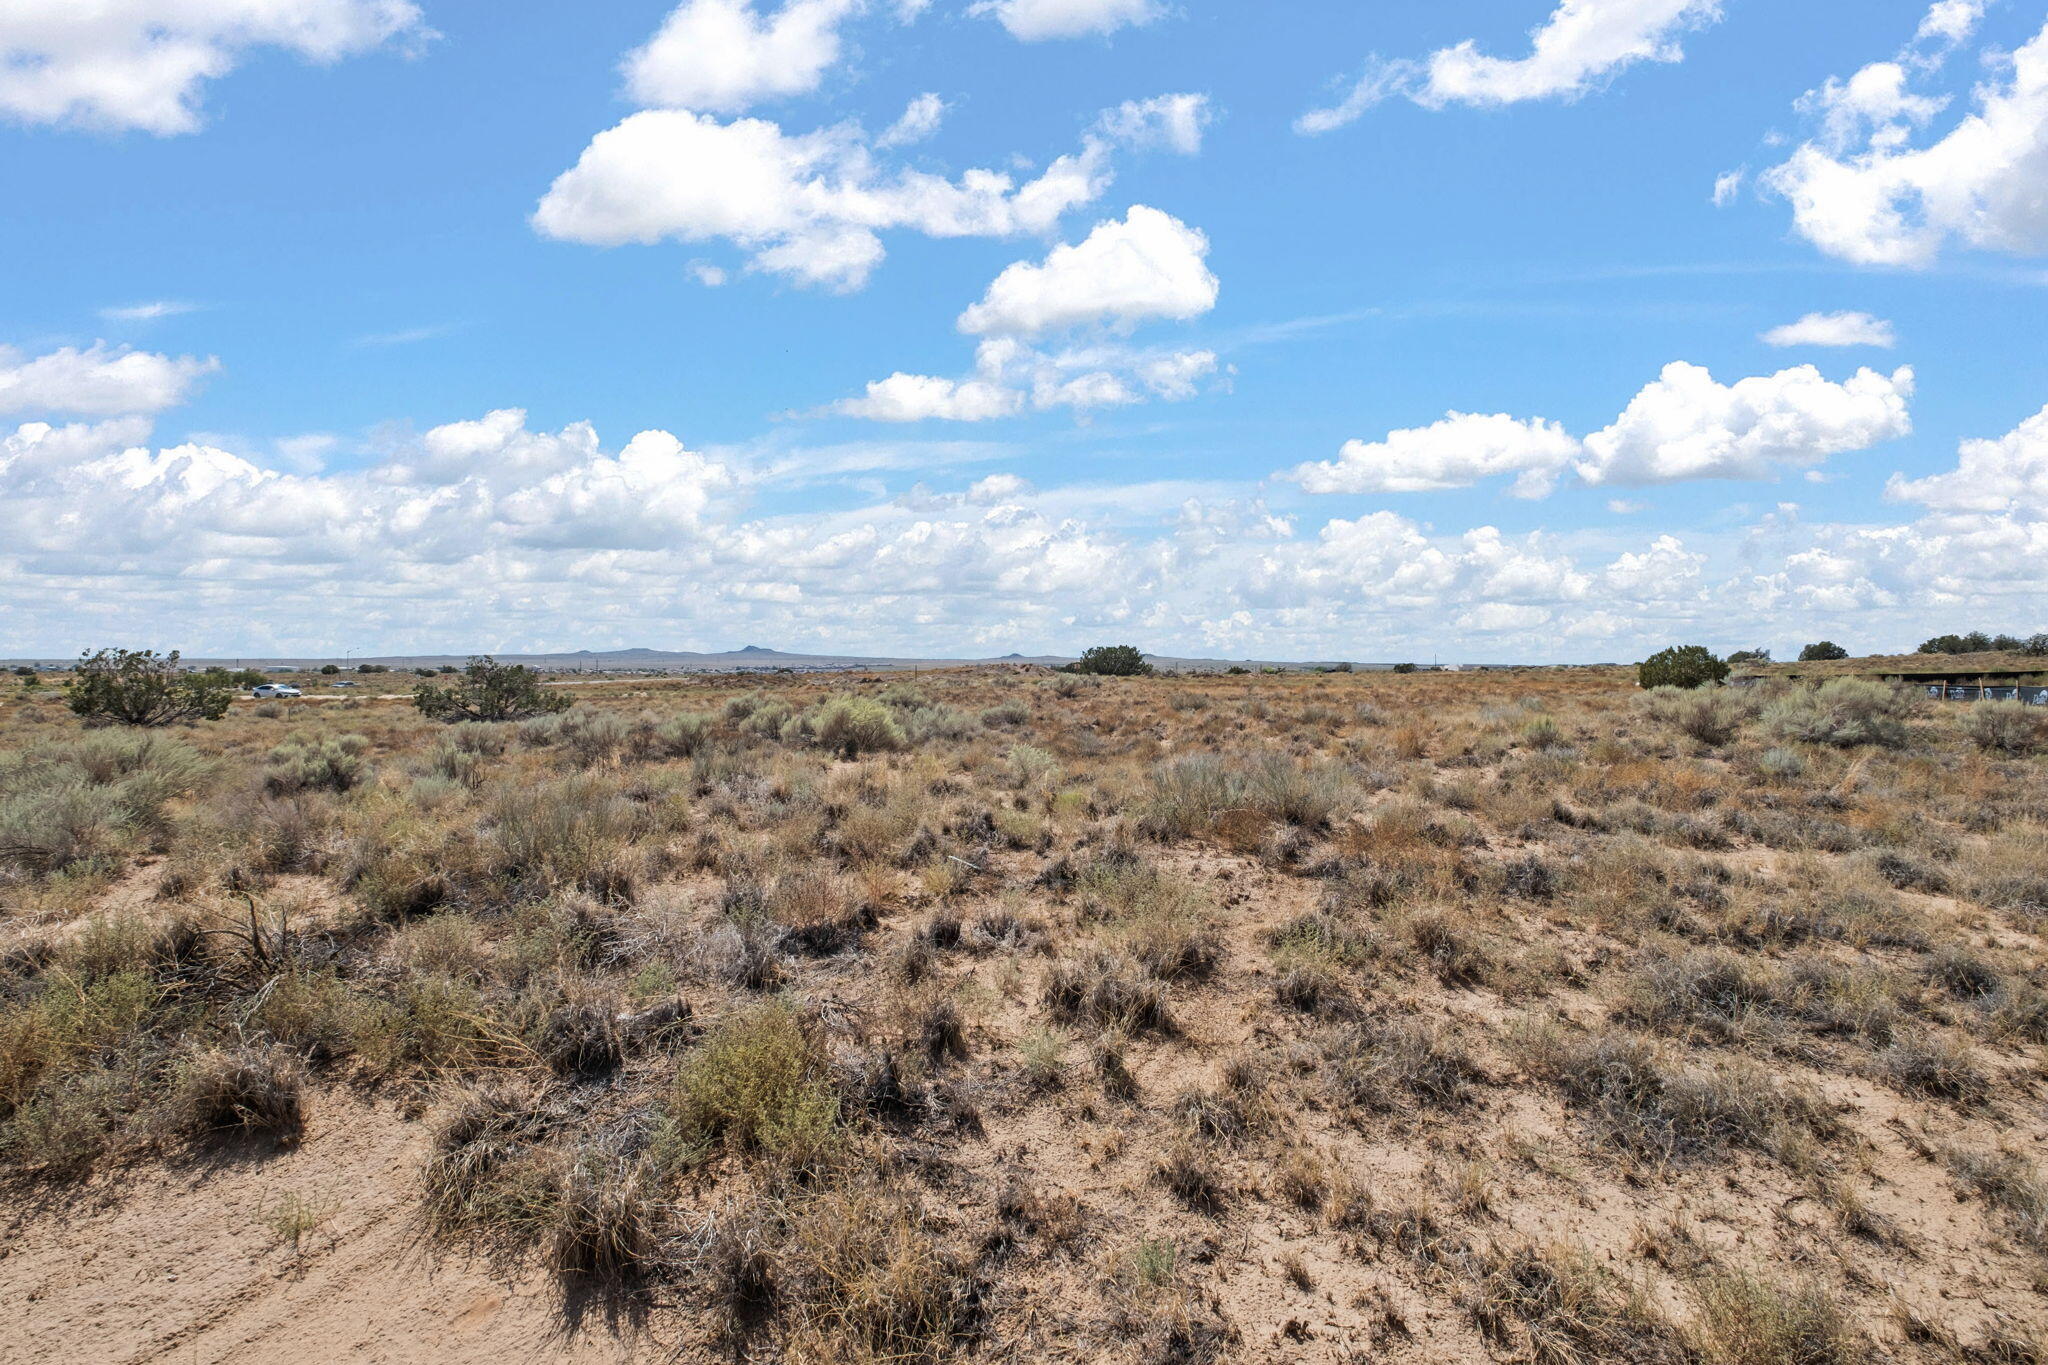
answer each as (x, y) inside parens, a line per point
(148, 312)
(409, 335)
(814, 465)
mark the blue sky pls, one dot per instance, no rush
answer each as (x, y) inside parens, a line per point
(1366, 331)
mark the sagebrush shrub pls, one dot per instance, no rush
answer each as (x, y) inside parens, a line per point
(85, 803)
(759, 1084)
(1843, 713)
(302, 763)
(1711, 715)
(852, 726)
(2005, 727)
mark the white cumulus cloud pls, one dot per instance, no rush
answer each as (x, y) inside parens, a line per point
(919, 397)
(1582, 42)
(1948, 23)
(812, 206)
(808, 206)
(1457, 452)
(1033, 21)
(1169, 122)
(1685, 425)
(919, 120)
(2002, 475)
(1833, 329)
(725, 55)
(117, 65)
(1149, 265)
(98, 381)
(1011, 377)
(1861, 190)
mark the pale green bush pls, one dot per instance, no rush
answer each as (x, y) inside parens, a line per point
(1844, 713)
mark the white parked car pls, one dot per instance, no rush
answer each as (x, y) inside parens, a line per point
(275, 690)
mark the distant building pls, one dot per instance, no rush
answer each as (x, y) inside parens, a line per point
(1945, 677)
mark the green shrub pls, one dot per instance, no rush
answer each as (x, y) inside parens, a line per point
(682, 736)
(1304, 794)
(573, 832)
(82, 804)
(1681, 666)
(489, 691)
(759, 1084)
(1844, 713)
(1977, 642)
(1711, 715)
(142, 687)
(302, 763)
(1822, 650)
(1188, 793)
(1112, 661)
(1781, 763)
(852, 726)
(2005, 727)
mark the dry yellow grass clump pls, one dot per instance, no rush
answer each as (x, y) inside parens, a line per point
(1010, 1016)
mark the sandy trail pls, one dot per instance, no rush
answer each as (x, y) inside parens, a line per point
(183, 1264)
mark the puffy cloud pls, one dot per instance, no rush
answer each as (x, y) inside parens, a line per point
(1875, 103)
(1149, 265)
(918, 397)
(1727, 185)
(1687, 426)
(1178, 374)
(1682, 426)
(467, 488)
(1833, 329)
(99, 381)
(1860, 190)
(1580, 43)
(1168, 122)
(724, 55)
(1011, 377)
(1034, 21)
(490, 533)
(919, 120)
(141, 64)
(1653, 573)
(1493, 617)
(1949, 23)
(2002, 475)
(809, 206)
(1456, 452)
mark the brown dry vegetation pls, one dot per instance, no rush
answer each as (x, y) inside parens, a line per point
(1003, 1016)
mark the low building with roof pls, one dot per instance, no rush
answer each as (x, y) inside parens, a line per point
(1991, 676)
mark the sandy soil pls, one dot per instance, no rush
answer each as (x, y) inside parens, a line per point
(184, 1264)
